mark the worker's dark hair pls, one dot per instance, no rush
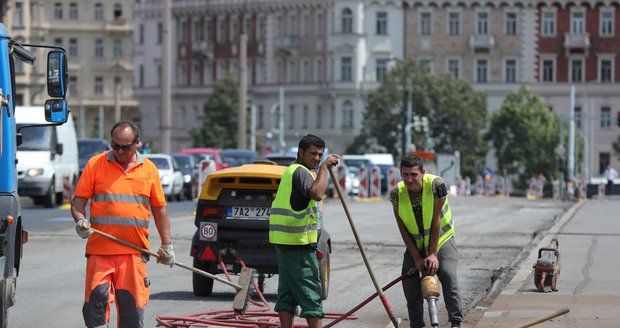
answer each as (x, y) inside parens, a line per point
(126, 124)
(411, 161)
(311, 140)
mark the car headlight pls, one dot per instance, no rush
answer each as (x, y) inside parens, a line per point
(187, 178)
(356, 182)
(34, 172)
(165, 179)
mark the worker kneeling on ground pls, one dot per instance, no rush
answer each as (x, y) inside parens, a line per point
(422, 211)
(293, 228)
(121, 184)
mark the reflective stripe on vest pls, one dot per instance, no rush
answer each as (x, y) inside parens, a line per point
(123, 198)
(116, 220)
(287, 226)
(406, 214)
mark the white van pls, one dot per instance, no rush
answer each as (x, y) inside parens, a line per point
(47, 157)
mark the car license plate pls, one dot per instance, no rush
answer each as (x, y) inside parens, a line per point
(244, 212)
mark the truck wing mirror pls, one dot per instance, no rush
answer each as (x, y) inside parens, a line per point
(59, 149)
(57, 74)
(56, 111)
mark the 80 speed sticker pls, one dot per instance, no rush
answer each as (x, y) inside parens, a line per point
(208, 231)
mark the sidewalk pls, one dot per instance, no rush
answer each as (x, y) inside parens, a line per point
(589, 283)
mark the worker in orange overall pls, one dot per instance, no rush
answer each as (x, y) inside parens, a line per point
(121, 185)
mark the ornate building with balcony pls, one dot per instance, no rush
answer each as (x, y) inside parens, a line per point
(97, 36)
(323, 53)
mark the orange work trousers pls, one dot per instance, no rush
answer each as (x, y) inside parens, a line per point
(116, 278)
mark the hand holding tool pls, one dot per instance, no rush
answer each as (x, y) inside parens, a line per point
(82, 227)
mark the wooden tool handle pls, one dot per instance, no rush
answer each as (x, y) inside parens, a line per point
(545, 318)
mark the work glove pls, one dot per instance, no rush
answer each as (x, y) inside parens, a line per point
(166, 255)
(82, 227)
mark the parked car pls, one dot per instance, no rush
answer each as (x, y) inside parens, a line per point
(232, 219)
(284, 159)
(237, 157)
(89, 147)
(169, 175)
(354, 163)
(384, 162)
(206, 153)
(188, 167)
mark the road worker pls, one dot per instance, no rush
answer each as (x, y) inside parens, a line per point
(420, 205)
(121, 185)
(293, 228)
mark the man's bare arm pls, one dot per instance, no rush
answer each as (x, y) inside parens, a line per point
(78, 208)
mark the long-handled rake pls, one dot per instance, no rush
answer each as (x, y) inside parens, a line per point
(242, 289)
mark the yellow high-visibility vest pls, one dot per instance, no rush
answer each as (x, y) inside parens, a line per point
(406, 214)
(287, 226)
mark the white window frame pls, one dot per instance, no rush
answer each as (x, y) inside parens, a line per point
(505, 66)
(570, 68)
(541, 72)
(516, 22)
(99, 12)
(459, 66)
(342, 70)
(348, 114)
(573, 21)
(381, 26)
(386, 68)
(421, 25)
(599, 66)
(553, 22)
(448, 21)
(348, 26)
(605, 122)
(477, 22)
(488, 72)
(601, 22)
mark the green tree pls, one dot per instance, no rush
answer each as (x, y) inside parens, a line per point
(524, 132)
(219, 122)
(456, 115)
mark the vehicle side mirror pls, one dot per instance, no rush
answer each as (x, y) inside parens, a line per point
(59, 149)
(56, 111)
(18, 139)
(57, 74)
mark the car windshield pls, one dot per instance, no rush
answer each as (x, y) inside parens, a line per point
(87, 149)
(161, 163)
(35, 138)
(356, 162)
(237, 160)
(201, 157)
(183, 162)
(284, 161)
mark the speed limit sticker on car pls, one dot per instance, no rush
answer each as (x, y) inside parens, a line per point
(208, 231)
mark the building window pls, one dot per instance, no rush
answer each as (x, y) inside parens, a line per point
(73, 87)
(98, 85)
(605, 117)
(182, 75)
(73, 11)
(606, 70)
(98, 11)
(320, 24)
(511, 23)
(454, 67)
(260, 68)
(118, 48)
(425, 23)
(548, 23)
(182, 31)
(118, 11)
(18, 17)
(159, 75)
(381, 66)
(332, 116)
(292, 76)
(292, 25)
(160, 32)
(482, 70)
(207, 73)
(99, 48)
(347, 20)
(262, 26)
(291, 118)
(305, 25)
(482, 23)
(577, 22)
(58, 42)
(141, 34)
(510, 70)
(576, 70)
(73, 47)
(346, 69)
(547, 70)
(382, 27)
(247, 27)
(141, 76)
(260, 113)
(319, 70)
(307, 71)
(196, 74)
(221, 30)
(196, 30)
(454, 23)
(578, 117)
(220, 69)
(58, 10)
(319, 116)
(603, 161)
(234, 29)
(347, 115)
(427, 65)
(304, 120)
(607, 22)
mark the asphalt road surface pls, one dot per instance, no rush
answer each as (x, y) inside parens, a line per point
(491, 234)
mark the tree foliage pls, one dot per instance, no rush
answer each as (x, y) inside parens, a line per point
(456, 115)
(524, 134)
(220, 115)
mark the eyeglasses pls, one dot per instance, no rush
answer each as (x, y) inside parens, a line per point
(127, 147)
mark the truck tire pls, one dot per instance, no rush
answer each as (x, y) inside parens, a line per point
(324, 268)
(202, 285)
(49, 200)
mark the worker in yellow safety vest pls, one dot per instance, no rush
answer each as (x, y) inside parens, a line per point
(293, 229)
(422, 211)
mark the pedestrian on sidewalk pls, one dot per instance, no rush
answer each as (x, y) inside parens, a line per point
(293, 229)
(422, 212)
(610, 174)
(121, 185)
